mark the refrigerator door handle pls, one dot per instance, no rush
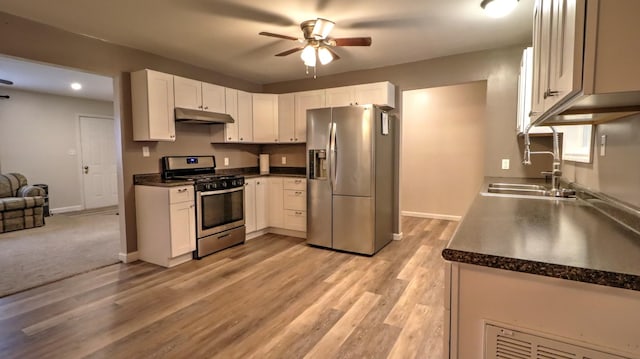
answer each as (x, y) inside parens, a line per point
(333, 149)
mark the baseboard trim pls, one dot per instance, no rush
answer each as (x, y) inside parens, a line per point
(66, 209)
(431, 215)
(256, 234)
(287, 232)
(397, 236)
(128, 257)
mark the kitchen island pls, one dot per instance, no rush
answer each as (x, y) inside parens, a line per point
(540, 270)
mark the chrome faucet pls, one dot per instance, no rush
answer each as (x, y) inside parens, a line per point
(555, 173)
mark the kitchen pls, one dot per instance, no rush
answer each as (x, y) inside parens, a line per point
(499, 68)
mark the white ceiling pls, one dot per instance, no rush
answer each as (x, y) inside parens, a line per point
(222, 35)
(31, 76)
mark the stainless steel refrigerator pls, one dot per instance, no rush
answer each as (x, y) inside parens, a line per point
(350, 178)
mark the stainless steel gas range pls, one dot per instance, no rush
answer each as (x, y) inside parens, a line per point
(219, 202)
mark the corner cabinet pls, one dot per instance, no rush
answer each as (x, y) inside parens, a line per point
(582, 72)
(265, 118)
(152, 102)
(166, 224)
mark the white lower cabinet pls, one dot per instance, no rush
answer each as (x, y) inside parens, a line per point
(166, 224)
(275, 203)
(295, 204)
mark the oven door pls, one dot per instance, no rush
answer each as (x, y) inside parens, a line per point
(219, 211)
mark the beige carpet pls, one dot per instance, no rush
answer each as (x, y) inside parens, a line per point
(68, 244)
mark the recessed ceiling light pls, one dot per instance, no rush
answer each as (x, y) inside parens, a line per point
(498, 8)
(76, 86)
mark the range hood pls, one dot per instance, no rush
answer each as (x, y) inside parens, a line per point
(186, 115)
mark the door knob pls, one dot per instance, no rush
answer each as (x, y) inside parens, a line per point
(86, 169)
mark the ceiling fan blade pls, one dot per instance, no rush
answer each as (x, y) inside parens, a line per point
(6, 82)
(352, 41)
(289, 52)
(263, 33)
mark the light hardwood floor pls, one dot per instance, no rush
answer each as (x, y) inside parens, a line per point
(274, 297)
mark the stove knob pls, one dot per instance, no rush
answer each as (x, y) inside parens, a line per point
(214, 185)
(233, 183)
(224, 184)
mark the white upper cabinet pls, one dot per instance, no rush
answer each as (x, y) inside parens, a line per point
(152, 106)
(581, 68)
(265, 118)
(304, 101)
(525, 87)
(379, 93)
(341, 96)
(245, 117)
(198, 95)
(231, 106)
(286, 118)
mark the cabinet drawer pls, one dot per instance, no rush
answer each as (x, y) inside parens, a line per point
(295, 200)
(181, 194)
(295, 220)
(299, 184)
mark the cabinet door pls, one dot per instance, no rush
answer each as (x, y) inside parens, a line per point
(261, 204)
(565, 60)
(183, 231)
(250, 205)
(295, 200)
(265, 118)
(245, 117)
(541, 38)
(213, 98)
(188, 93)
(286, 118)
(160, 118)
(276, 202)
(231, 109)
(340, 96)
(381, 93)
(305, 101)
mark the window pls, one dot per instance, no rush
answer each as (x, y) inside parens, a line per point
(576, 142)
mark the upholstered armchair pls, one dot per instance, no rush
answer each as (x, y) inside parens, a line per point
(21, 205)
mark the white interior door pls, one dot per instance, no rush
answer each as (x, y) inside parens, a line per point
(97, 140)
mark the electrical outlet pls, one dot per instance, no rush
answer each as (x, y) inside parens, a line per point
(505, 163)
(145, 151)
(226, 161)
(603, 145)
(284, 160)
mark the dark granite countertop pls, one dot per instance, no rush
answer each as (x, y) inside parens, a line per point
(154, 179)
(567, 239)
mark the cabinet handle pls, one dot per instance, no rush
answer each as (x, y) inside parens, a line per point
(241, 139)
(291, 139)
(182, 190)
(298, 181)
(550, 93)
(276, 140)
(229, 138)
(206, 107)
(199, 106)
(298, 213)
(296, 139)
(298, 193)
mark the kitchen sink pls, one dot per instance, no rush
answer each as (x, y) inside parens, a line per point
(519, 189)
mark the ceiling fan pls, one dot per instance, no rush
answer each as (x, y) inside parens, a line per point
(316, 44)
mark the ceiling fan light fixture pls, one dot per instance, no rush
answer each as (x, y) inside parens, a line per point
(324, 55)
(309, 56)
(498, 8)
(322, 28)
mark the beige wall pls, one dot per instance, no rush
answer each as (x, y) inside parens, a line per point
(442, 136)
(39, 137)
(616, 174)
(295, 155)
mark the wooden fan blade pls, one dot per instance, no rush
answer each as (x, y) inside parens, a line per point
(289, 52)
(352, 41)
(6, 82)
(278, 36)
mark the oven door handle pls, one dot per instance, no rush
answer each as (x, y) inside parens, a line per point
(209, 193)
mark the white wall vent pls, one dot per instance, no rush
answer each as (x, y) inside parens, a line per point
(505, 343)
